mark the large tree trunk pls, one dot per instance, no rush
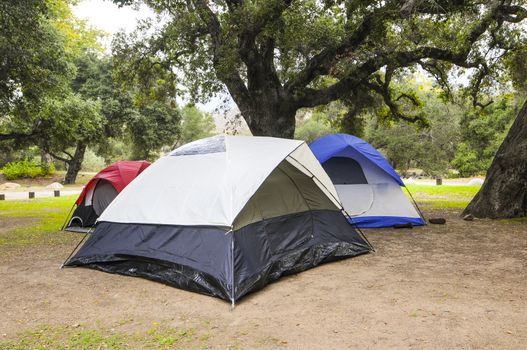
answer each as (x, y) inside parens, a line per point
(74, 165)
(268, 120)
(504, 192)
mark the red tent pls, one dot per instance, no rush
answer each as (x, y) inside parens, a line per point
(101, 191)
(119, 174)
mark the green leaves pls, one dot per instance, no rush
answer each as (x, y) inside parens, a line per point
(195, 125)
(271, 54)
(153, 126)
(71, 120)
(34, 62)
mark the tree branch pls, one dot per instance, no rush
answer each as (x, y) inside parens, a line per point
(230, 78)
(311, 97)
(56, 156)
(18, 136)
(320, 64)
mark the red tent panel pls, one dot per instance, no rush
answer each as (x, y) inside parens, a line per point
(119, 174)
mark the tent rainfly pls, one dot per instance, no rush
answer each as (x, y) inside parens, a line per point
(224, 216)
(368, 186)
(100, 191)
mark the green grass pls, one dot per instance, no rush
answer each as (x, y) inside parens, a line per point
(80, 338)
(444, 196)
(44, 217)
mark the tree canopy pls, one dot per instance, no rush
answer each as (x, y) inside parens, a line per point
(39, 42)
(277, 56)
(34, 63)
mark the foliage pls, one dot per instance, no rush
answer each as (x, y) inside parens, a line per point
(275, 57)
(456, 136)
(39, 40)
(26, 169)
(195, 125)
(10, 154)
(92, 162)
(145, 118)
(482, 132)
(27, 35)
(406, 145)
(311, 126)
(156, 125)
(71, 120)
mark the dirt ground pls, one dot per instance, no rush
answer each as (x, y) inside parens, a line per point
(459, 285)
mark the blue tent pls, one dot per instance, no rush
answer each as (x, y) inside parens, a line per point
(368, 186)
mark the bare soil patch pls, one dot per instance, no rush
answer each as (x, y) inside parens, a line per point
(459, 285)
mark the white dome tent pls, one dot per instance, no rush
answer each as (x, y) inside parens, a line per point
(224, 216)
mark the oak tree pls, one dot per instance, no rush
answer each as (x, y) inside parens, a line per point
(277, 56)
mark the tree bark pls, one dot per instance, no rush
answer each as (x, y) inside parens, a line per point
(504, 192)
(45, 158)
(277, 120)
(74, 165)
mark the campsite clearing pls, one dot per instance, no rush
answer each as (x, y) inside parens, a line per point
(460, 285)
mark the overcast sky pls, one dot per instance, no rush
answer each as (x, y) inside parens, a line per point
(107, 16)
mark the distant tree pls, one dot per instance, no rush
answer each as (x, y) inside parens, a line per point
(195, 125)
(40, 44)
(430, 146)
(152, 127)
(71, 123)
(142, 115)
(277, 56)
(482, 132)
(34, 65)
(312, 125)
(92, 85)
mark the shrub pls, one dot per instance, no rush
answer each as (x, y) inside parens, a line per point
(48, 169)
(26, 169)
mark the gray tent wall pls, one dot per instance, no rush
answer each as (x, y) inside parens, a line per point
(86, 214)
(288, 225)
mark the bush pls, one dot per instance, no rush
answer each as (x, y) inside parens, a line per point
(26, 169)
(47, 169)
(468, 162)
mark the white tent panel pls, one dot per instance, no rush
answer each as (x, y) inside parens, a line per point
(171, 195)
(218, 187)
(356, 199)
(383, 199)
